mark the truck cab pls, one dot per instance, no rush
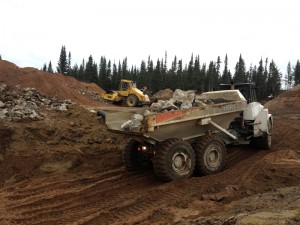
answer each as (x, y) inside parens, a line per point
(248, 90)
(256, 122)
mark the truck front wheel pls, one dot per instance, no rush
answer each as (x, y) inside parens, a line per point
(174, 159)
(132, 101)
(210, 155)
(265, 141)
(134, 158)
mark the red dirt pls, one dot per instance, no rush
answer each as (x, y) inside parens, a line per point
(53, 84)
(67, 169)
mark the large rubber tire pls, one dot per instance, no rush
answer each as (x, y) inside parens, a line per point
(133, 159)
(210, 153)
(132, 101)
(265, 141)
(174, 159)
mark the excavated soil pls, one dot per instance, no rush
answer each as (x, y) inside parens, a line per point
(53, 84)
(67, 169)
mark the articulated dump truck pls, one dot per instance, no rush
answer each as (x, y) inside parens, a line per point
(180, 142)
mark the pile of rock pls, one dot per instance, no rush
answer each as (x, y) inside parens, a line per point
(179, 100)
(91, 94)
(18, 103)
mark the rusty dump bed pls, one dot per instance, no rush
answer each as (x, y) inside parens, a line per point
(220, 107)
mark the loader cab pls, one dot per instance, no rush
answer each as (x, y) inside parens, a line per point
(248, 90)
(127, 85)
(124, 86)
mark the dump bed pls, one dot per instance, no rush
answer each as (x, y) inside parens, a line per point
(221, 107)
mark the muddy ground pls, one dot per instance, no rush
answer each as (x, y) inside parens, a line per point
(67, 169)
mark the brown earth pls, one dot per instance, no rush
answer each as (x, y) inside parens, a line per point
(67, 169)
(53, 84)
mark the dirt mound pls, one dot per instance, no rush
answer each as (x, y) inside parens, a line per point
(60, 141)
(286, 103)
(64, 87)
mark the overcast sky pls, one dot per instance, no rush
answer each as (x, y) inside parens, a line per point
(33, 31)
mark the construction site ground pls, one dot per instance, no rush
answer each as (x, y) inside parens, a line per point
(67, 169)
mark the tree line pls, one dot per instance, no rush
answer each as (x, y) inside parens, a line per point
(192, 76)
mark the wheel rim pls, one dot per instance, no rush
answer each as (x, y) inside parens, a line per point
(131, 101)
(181, 163)
(212, 156)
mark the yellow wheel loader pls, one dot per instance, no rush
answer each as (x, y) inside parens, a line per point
(127, 92)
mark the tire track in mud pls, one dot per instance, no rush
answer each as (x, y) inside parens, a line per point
(46, 186)
(32, 201)
(43, 207)
(170, 195)
(108, 197)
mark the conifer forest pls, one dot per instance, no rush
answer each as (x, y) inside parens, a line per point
(193, 75)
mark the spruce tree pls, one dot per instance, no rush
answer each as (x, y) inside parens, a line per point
(188, 80)
(180, 83)
(163, 72)
(260, 80)
(165, 68)
(50, 70)
(44, 67)
(91, 71)
(216, 75)
(0, 57)
(143, 75)
(69, 64)
(203, 77)
(210, 76)
(81, 71)
(297, 73)
(157, 79)
(249, 73)
(119, 72)
(62, 65)
(124, 69)
(288, 76)
(240, 71)
(150, 74)
(115, 81)
(109, 76)
(226, 77)
(173, 75)
(195, 85)
(274, 80)
(103, 78)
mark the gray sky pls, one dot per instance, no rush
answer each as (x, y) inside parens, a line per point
(33, 31)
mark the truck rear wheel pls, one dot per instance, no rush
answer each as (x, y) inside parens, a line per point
(133, 158)
(210, 153)
(174, 159)
(132, 101)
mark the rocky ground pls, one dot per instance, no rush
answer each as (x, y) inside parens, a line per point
(66, 168)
